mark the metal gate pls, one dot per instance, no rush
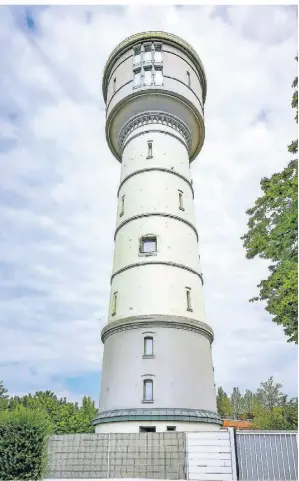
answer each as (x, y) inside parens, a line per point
(267, 455)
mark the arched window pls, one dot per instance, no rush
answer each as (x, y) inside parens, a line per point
(148, 395)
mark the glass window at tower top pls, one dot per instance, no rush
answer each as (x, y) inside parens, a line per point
(158, 54)
(158, 76)
(148, 77)
(137, 78)
(137, 55)
(147, 65)
(147, 54)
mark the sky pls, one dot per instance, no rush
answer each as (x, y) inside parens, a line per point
(59, 181)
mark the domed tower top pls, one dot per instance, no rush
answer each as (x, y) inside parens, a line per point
(154, 77)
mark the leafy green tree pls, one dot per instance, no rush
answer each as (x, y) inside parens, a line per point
(273, 235)
(248, 403)
(268, 420)
(269, 394)
(236, 403)
(223, 403)
(290, 413)
(66, 417)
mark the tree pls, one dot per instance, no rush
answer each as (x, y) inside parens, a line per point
(236, 403)
(268, 420)
(223, 403)
(66, 417)
(23, 444)
(3, 396)
(248, 403)
(269, 394)
(290, 413)
(273, 235)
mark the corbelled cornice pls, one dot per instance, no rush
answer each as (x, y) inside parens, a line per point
(154, 117)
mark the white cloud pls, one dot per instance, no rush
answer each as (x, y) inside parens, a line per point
(59, 181)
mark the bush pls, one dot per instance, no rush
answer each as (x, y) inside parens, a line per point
(23, 444)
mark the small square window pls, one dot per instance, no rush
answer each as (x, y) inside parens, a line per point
(171, 428)
(148, 245)
(147, 390)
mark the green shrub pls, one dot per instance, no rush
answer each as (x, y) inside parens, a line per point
(23, 444)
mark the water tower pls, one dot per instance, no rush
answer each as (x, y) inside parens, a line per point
(157, 370)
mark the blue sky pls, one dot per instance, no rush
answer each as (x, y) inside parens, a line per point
(58, 185)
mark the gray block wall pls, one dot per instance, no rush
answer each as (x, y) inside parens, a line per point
(142, 455)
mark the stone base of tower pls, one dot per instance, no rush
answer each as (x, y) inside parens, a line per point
(156, 420)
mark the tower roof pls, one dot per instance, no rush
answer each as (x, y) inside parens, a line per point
(165, 37)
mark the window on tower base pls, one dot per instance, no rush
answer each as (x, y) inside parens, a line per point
(148, 347)
(148, 391)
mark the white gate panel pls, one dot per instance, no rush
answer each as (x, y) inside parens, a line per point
(209, 456)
